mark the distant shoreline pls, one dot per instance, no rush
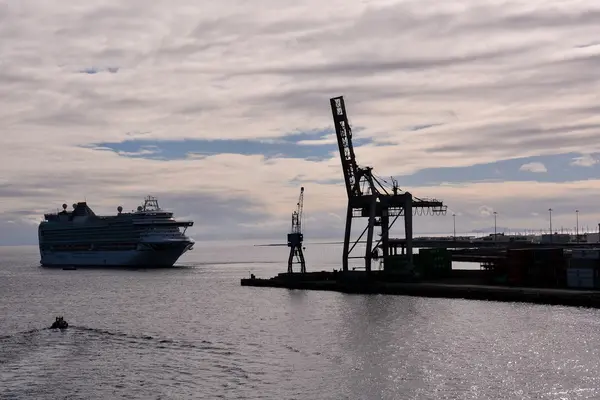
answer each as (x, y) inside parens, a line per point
(285, 244)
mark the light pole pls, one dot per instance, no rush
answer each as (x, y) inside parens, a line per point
(577, 228)
(495, 232)
(550, 211)
(454, 230)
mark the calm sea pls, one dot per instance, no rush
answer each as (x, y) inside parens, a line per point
(193, 332)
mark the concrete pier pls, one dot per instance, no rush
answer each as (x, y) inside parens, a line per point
(378, 283)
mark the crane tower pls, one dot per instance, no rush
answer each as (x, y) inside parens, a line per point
(366, 200)
(296, 237)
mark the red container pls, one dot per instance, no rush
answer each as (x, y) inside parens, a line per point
(541, 267)
(516, 262)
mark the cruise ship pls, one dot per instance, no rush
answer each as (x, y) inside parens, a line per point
(148, 237)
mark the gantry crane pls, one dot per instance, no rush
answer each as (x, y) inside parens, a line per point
(295, 237)
(366, 200)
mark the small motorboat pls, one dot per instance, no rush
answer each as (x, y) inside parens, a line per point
(60, 323)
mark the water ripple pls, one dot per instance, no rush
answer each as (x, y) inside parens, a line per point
(193, 332)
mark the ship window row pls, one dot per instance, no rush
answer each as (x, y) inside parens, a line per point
(123, 226)
(86, 246)
(90, 238)
(109, 232)
(111, 229)
(107, 237)
(104, 237)
(99, 235)
(78, 242)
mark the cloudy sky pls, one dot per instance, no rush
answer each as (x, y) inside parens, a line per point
(221, 109)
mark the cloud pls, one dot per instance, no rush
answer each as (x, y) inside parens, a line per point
(219, 87)
(143, 151)
(486, 211)
(586, 160)
(533, 167)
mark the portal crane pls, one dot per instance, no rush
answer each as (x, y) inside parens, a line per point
(366, 200)
(295, 237)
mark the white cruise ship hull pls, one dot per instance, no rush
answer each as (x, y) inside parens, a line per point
(123, 258)
(148, 237)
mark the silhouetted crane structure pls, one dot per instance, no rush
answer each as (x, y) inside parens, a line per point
(365, 200)
(295, 237)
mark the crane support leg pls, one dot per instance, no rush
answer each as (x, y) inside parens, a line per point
(296, 251)
(302, 262)
(369, 249)
(385, 234)
(347, 238)
(408, 227)
(291, 261)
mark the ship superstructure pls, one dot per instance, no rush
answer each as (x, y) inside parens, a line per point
(148, 236)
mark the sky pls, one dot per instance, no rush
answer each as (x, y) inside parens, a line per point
(221, 110)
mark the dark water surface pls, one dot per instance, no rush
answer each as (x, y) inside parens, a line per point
(193, 332)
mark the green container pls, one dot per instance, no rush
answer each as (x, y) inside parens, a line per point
(396, 263)
(433, 263)
(427, 263)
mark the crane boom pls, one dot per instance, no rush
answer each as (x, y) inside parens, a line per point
(344, 134)
(297, 215)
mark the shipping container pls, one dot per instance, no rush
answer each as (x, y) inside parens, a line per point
(581, 278)
(540, 267)
(433, 263)
(593, 254)
(583, 269)
(396, 263)
(515, 263)
(583, 263)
